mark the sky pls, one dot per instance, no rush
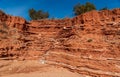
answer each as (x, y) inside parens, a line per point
(56, 8)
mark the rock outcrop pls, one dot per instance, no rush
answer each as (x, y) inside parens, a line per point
(12, 21)
(88, 44)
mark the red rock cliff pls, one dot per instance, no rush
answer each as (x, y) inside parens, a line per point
(12, 21)
(87, 44)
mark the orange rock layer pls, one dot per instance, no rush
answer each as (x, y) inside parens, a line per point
(88, 44)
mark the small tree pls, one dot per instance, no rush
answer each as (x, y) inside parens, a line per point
(105, 8)
(2, 12)
(89, 6)
(4, 29)
(36, 15)
(79, 9)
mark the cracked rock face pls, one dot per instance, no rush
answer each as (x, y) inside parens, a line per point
(88, 44)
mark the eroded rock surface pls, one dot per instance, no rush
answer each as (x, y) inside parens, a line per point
(88, 44)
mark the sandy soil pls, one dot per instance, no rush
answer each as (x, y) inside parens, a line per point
(33, 68)
(52, 72)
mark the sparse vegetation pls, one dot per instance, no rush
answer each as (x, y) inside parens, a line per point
(79, 9)
(36, 15)
(105, 8)
(3, 30)
(89, 40)
(2, 12)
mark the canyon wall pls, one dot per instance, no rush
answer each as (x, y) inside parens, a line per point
(88, 44)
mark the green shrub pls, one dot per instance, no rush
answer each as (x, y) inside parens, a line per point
(89, 40)
(36, 15)
(79, 9)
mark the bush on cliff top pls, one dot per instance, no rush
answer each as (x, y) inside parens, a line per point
(80, 9)
(36, 15)
(2, 12)
(105, 8)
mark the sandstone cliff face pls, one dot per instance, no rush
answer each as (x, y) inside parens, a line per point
(88, 44)
(12, 21)
(98, 17)
(93, 17)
